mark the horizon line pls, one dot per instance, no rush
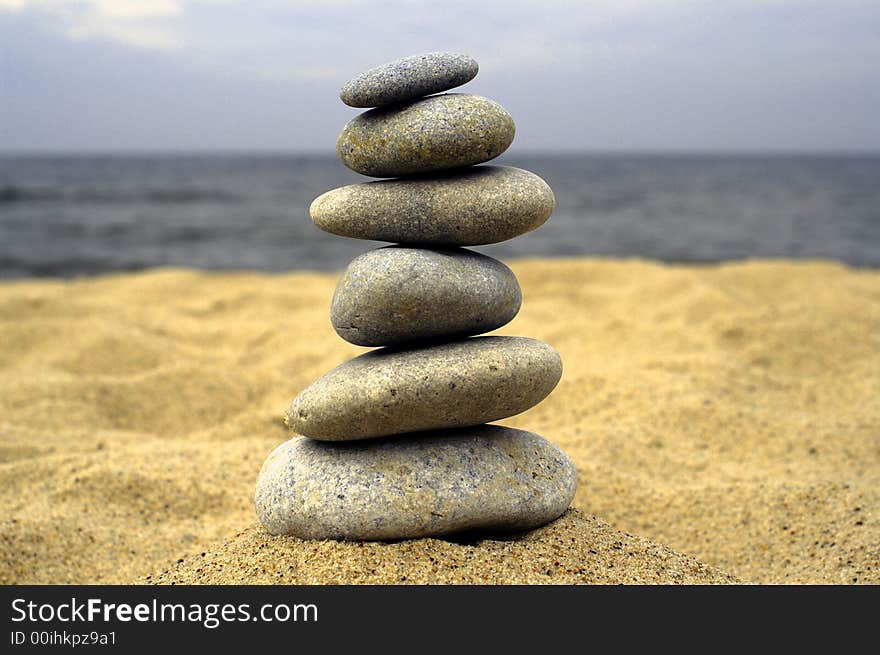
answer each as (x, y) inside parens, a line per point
(277, 152)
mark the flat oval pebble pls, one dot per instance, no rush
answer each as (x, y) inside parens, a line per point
(395, 295)
(480, 205)
(409, 78)
(431, 134)
(390, 391)
(424, 484)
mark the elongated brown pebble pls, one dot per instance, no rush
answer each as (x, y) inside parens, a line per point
(388, 391)
(474, 206)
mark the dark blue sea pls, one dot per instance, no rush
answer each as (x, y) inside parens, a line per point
(83, 215)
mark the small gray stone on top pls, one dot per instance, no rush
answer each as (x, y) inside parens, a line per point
(424, 484)
(409, 78)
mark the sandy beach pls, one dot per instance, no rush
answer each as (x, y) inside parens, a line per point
(724, 420)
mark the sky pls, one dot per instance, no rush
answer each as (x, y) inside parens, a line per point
(600, 75)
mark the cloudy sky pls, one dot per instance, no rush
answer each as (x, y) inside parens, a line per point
(645, 75)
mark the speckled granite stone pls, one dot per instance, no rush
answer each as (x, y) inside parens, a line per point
(395, 295)
(432, 134)
(389, 391)
(423, 484)
(409, 78)
(476, 206)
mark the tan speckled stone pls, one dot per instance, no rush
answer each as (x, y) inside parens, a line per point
(432, 134)
(475, 206)
(394, 295)
(388, 391)
(486, 477)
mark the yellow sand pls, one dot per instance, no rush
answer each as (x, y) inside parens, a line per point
(725, 421)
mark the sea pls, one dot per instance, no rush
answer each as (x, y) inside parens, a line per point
(70, 216)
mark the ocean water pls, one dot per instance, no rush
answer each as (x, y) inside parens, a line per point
(71, 216)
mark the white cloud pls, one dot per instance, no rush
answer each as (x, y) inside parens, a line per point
(117, 8)
(139, 23)
(127, 9)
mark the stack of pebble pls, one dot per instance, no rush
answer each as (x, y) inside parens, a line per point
(396, 444)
